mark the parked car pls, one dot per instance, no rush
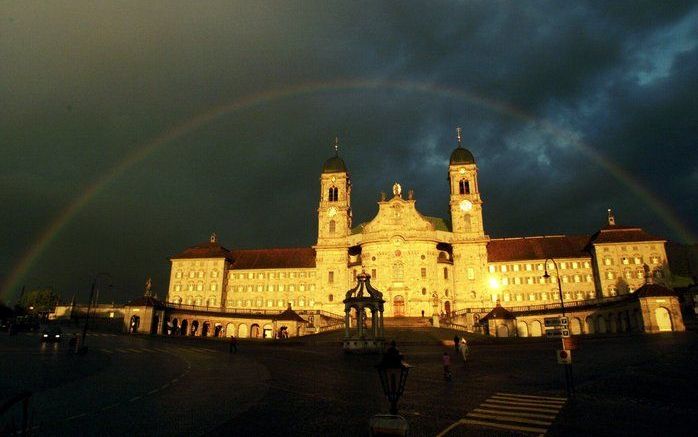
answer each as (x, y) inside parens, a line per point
(53, 334)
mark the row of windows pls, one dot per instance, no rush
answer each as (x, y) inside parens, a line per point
(271, 287)
(195, 300)
(197, 287)
(193, 274)
(625, 248)
(547, 296)
(529, 267)
(630, 274)
(627, 260)
(260, 302)
(519, 280)
(272, 275)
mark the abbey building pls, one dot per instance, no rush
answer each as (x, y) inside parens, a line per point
(423, 265)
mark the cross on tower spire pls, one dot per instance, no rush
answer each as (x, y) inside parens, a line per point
(336, 146)
(611, 218)
(459, 133)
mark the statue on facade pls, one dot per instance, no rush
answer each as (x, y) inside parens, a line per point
(148, 287)
(397, 190)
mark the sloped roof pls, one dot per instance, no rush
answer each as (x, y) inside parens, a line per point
(439, 223)
(622, 234)
(281, 258)
(289, 315)
(146, 301)
(528, 248)
(498, 312)
(654, 290)
(205, 250)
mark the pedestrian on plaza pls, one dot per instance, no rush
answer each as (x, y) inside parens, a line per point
(456, 341)
(233, 345)
(464, 349)
(447, 366)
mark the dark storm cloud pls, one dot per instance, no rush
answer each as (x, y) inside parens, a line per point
(84, 85)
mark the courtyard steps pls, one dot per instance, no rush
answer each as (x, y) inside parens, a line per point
(407, 322)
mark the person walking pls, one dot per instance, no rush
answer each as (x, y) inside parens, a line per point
(447, 366)
(456, 341)
(233, 345)
(464, 349)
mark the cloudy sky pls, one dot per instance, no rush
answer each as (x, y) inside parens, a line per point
(130, 130)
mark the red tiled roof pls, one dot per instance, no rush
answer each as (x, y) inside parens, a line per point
(283, 258)
(528, 248)
(622, 234)
(205, 250)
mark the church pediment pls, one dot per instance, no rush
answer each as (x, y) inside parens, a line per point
(398, 216)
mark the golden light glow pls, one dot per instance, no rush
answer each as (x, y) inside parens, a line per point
(493, 283)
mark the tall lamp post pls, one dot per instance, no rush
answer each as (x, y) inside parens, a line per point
(569, 383)
(83, 348)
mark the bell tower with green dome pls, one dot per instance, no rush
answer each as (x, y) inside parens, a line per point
(469, 239)
(334, 228)
(466, 204)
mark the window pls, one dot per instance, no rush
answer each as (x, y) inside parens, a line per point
(610, 275)
(424, 291)
(446, 292)
(192, 274)
(330, 297)
(178, 288)
(626, 261)
(563, 265)
(492, 269)
(213, 287)
(577, 278)
(464, 187)
(565, 279)
(637, 260)
(214, 274)
(607, 261)
(640, 274)
(199, 286)
(505, 281)
(373, 273)
(445, 273)
(529, 267)
(260, 288)
(586, 264)
(471, 273)
(330, 277)
(270, 303)
(178, 275)
(424, 272)
(504, 268)
(531, 297)
(516, 267)
(333, 194)
(398, 272)
(333, 226)
(201, 274)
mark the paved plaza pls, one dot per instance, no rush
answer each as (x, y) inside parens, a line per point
(142, 385)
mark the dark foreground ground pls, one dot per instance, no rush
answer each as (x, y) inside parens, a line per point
(133, 385)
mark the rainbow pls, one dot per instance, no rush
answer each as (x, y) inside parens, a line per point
(143, 151)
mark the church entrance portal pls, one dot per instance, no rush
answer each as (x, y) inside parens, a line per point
(398, 306)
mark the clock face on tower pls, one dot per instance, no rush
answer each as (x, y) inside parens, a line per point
(332, 211)
(465, 205)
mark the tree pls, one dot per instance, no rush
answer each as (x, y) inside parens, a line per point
(42, 299)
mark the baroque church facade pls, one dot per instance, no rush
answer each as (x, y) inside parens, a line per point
(423, 265)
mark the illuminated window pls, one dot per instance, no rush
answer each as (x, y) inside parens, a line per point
(178, 288)
(563, 265)
(199, 286)
(607, 261)
(529, 267)
(637, 260)
(516, 267)
(504, 268)
(178, 275)
(575, 265)
(398, 272)
(333, 226)
(213, 287)
(625, 261)
(471, 273)
(373, 273)
(492, 269)
(610, 275)
(577, 278)
(640, 274)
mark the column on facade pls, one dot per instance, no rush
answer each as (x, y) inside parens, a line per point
(380, 316)
(360, 320)
(374, 322)
(347, 321)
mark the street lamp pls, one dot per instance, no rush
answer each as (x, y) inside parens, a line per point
(559, 285)
(569, 383)
(393, 375)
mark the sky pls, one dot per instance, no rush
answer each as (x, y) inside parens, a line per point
(131, 130)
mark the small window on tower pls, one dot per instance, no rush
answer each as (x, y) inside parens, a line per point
(333, 226)
(464, 187)
(330, 277)
(334, 194)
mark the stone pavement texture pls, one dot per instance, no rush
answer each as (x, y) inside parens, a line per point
(133, 385)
